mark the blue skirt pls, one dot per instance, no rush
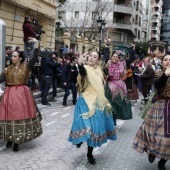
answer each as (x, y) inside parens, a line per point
(94, 130)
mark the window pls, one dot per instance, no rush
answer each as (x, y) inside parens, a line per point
(62, 14)
(117, 36)
(147, 11)
(138, 34)
(94, 15)
(136, 19)
(139, 21)
(76, 14)
(137, 5)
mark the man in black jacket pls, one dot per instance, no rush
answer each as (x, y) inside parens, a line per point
(47, 67)
(147, 78)
(69, 80)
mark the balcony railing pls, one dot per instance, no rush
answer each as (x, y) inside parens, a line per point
(156, 12)
(155, 20)
(154, 28)
(124, 4)
(123, 8)
(157, 5)
(122, 22)
(154, 35)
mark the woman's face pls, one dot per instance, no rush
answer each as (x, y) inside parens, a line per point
(15, 58)
(93, 58)
(166, 62)
(115, 58)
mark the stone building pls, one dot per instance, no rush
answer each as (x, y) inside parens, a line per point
(123, 18)
(13, 12)
(165, 27)
(156, 15)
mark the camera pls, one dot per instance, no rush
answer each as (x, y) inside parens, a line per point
(120, 53)
(45, 53)
(37, 28)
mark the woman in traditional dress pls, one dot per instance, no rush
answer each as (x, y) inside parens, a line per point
(116, 91)
(153, 136)
(93, 121)
(19, 118)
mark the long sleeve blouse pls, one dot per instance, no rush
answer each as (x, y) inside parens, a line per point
(20, 76)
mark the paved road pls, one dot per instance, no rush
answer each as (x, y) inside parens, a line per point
(51, 151)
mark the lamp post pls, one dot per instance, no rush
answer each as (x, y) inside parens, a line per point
(101, 25)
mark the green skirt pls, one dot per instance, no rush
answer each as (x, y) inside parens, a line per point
(147, 106)
(121, 108)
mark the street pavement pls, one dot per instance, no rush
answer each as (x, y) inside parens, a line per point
(52, 151)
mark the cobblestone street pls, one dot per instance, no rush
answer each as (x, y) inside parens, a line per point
(52, 151)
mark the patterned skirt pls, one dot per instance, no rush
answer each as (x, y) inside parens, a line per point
(94, 130)
(19, 130)
(121, 106)
(150, 137)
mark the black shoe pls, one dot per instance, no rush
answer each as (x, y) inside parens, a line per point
(64, 104)
(91, 160)
(16, 148)
(161, 167)
(8, 145)
(46, 103)
(151, 158)
(79, 145)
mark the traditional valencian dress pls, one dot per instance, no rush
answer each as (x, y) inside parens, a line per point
(153, 136)
(92, 115)
(116, 92)
(19, 116)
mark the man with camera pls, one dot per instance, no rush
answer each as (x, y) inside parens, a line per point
(28, 32)
(47, 67)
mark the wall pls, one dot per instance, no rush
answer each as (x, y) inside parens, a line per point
(13, 16)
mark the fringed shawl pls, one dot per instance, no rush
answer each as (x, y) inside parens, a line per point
(91, 87)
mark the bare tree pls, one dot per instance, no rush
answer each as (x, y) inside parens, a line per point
(85, 24)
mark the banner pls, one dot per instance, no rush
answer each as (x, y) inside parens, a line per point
(158, 48)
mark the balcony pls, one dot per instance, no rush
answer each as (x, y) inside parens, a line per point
(155, 20)
(123, 8)
(144, 29)
(122, 24)
(161, 2)
(154, 36)
(154, 28)
(156, 12)
(157, 5)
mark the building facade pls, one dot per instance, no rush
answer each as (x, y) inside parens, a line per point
(165, 27)
(13, 12)
(123, 18)
(146, 27)
(156, 15)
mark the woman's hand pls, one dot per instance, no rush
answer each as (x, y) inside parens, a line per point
(35, 41)
(108, 63)
(82, 59)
